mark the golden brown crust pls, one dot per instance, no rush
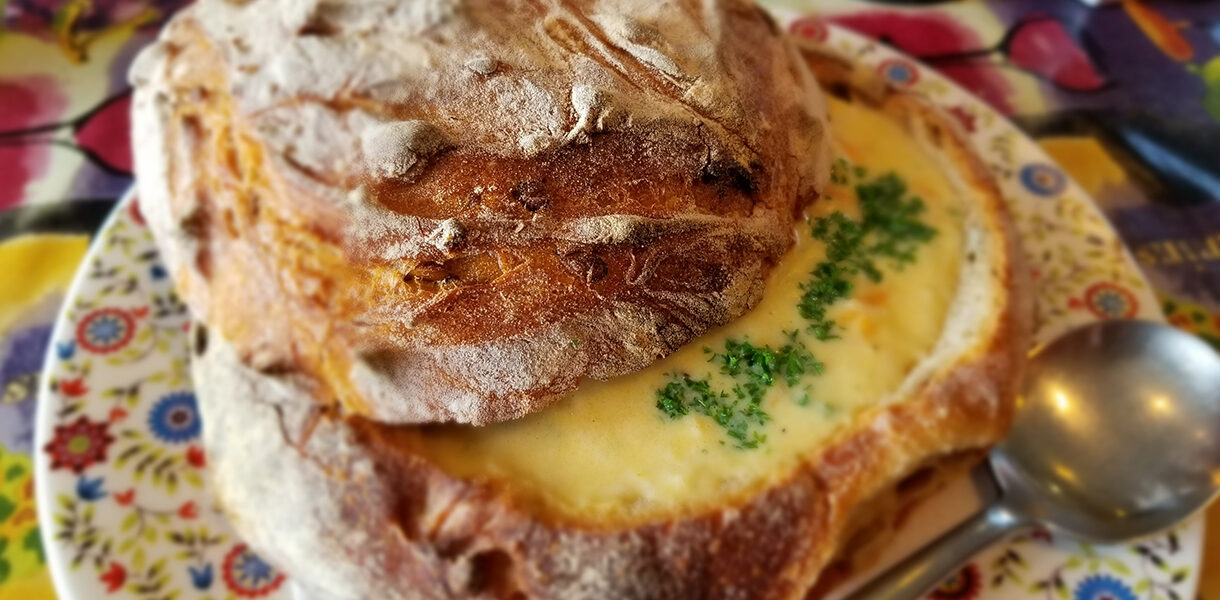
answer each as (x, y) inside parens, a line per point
(354, 488)
(455, 211)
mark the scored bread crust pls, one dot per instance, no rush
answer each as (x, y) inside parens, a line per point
(446, 211)
(351, 511)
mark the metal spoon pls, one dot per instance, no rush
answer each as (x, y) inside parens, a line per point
(1116, 436)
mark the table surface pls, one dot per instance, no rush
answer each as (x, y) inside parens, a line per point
(1125, 97)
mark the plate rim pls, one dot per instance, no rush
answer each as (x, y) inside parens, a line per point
(60, 573)
(43, 493)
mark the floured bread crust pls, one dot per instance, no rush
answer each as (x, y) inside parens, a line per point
(449, 210)
(351, 509)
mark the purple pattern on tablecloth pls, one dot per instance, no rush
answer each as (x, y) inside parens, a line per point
(1178, 246)
(21, 358)
(1145, 78)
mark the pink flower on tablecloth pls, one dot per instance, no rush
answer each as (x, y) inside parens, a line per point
(930, 34)
(105, 134)
(1039, 45)
(1045, 47)
(28, 102)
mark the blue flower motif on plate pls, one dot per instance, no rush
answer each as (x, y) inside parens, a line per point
(1043, 179)
(1102, 587)
(201, 577)
(105, 330)
(252, 569)
(90, 490)
(65, 350)
(175, 418)
(248, 575)
(900, 72)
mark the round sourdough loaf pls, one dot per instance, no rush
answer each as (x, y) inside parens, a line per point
(454, 211)
(354, 509)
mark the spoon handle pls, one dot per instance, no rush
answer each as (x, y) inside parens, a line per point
(921, 572)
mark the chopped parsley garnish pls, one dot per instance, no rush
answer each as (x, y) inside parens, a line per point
(760, 366)
(888, 229)
(754, 370)
(684, 394)
(893, 218)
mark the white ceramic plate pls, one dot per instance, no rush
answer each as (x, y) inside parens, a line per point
(123, 495)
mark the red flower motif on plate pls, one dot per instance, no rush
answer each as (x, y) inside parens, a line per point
(125, 498)
(105, 330)
(899, 71)
(134, 210)
(73, 387)
(195, 457)
(1110, 301)
(114, 577)
(964, 117)
(810, 28)
(965, 585)
(79, 445)
(1042, 534)
(1182, 321)
(249, 576)
(117, 414)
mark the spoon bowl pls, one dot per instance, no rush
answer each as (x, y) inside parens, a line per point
(1116, 436)
(1116, 433)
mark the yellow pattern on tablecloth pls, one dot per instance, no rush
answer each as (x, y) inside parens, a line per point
(32, 266)
(34, 270)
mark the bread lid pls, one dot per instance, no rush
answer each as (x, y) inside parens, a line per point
(456, 211)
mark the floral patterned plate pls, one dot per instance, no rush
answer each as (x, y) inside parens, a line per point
(122, 493)
(122, 489)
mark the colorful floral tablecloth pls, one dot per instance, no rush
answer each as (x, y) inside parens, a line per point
(1126, 97)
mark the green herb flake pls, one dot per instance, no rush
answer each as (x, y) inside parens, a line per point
(839, 171)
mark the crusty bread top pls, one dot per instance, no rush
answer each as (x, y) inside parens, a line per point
(455, 211)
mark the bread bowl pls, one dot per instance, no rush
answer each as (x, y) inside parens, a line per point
(609, 491)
